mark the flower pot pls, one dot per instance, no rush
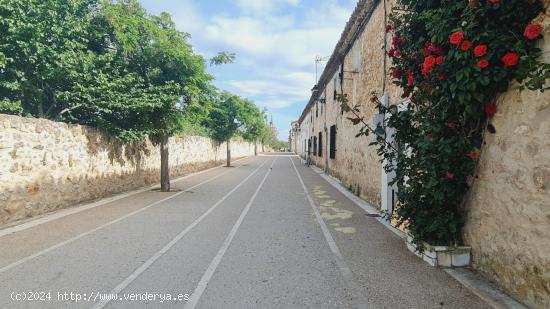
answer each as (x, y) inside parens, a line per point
(442, 256)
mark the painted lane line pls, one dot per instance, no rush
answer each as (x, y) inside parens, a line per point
(141, 269)
(353, 287)
(73, 210)
(203, 283)
(126, 216)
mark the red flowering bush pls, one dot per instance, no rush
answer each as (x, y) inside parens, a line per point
(456, 57)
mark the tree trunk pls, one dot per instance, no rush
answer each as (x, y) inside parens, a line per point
(228, 152)
(164, 169)
(255, 148)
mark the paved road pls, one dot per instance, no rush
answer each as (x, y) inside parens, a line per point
(266, 233)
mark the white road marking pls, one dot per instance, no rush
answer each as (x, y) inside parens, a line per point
(126, 216)
(354, 289)
(201, 286)
(120, 287)
(77, 209)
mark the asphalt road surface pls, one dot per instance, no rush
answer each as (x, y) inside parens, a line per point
(265, 233)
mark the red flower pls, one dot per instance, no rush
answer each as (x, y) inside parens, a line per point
(442, 76)
(391, 52)
(439, 60)
(494, 1)
(490, 109)
(430, 136)
(396, 74)
(532, 31)
(410, 80)
(473, 155)
(483, 63)
(450, 125)
(480, 50)
(388, 28)
(456, 38)
(510, 59)
(397, 53)
(430, 61)
(449, 175)
(466, 45)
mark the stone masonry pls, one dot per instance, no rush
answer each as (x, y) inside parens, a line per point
(46, 165)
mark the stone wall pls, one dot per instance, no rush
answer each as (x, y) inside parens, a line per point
(508, 209)
(356, 163)
(46, 165)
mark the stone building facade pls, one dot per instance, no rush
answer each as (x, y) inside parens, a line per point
(507, 211)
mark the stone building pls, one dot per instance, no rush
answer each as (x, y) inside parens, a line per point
(293, 141)
(507, 210)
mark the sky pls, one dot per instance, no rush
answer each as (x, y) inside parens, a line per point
(275, 42)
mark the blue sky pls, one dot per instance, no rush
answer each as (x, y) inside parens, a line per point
(275, 42)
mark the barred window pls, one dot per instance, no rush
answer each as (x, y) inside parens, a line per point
(320, 144)
(332, 146)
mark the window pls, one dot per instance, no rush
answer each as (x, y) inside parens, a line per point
(309, 146)
(332, 146)
(316, 110)
(320, 144)
(315, 145)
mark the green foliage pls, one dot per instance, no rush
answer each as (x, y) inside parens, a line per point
(232, 115)
(109, 64)
(452, 91)
(42, 42)
(222, 58)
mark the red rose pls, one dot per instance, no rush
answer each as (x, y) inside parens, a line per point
(456, 38)
(510, 59)
(449, 175)
(391, 52)
(532, 31)
(429, 62)
(439, 60)
(410, 80)
(396, 74)
(450, 125)
(466, 45)
(490, 109)
(473, 155)
(480, 50)
(388, 28)
(397, 53)
(442, 76)
(494, 1)
(483, 63)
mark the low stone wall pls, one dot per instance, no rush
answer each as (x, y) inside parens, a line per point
(46, 165)
(508, 208)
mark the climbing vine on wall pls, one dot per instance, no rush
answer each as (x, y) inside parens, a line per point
(451, 58)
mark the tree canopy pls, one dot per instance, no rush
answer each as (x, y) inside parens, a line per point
(114, 66)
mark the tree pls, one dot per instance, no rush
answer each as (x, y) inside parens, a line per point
(225, 119)
(42, 44)
(254, 124)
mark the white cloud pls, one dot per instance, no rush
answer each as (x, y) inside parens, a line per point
(275, 41)
(263, 7)
(276, 91)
